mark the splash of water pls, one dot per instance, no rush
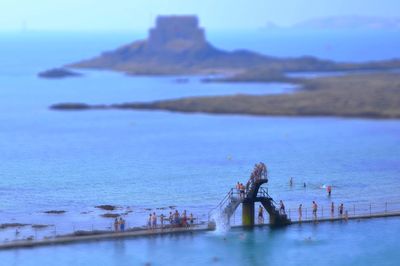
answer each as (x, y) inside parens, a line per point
(222, 225)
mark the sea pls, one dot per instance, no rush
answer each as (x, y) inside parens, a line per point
(157, 161)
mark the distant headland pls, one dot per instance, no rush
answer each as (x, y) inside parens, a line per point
(177, 45)
(374, 95)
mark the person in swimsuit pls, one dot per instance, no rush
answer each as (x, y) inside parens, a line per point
(149, 221)
(281, 208)
(314, 209)
(176, 218)
(191, 219)
(329, 189)
(162, 220)
(122, 224)
(260, 215)
(341, 207)
(300, 212)
(116, 225)
(154, 220)
(184, 219)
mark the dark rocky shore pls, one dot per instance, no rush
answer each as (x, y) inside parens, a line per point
(363, 95)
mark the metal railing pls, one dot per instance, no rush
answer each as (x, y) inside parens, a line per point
(350, 210)
(224, 202)
(30, 233)
(262, 192)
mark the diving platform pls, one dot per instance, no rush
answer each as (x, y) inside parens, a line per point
(254, 192)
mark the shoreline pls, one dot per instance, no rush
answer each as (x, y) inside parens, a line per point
(374, 96)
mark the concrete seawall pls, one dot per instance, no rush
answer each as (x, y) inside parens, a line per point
(103, 236)
(168, 231)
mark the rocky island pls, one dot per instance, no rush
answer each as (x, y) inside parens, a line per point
(177, 45)
(58, 73)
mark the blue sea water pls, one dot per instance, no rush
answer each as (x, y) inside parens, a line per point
(74, 161)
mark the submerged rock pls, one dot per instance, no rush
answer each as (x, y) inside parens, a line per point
(76, 106)
(106, 207)
(40, 226)
(57, 73)
(11, 225)
(110, 215)
(55, 212)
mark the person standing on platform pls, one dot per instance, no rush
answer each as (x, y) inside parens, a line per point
(260, 215)
(122, 224)
(314, 209)
(116, 225)
(282, 208)
(300, 212)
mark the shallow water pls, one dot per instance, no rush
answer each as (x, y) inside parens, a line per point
(372, 242)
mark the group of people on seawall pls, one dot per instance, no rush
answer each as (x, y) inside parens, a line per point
(341, 210)
(119, 224)
(175, 219)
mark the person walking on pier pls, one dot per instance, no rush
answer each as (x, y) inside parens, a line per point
(314, 209)
(341, 208)
(116, 225)
(162, 220)
(260, 215)
(154, 221)
(332, 209)
(122, 224)
(176, 218)
(300, 212)
(191, 219)
(291, 182)
(184, 219)
(149, 221)
(281, 208)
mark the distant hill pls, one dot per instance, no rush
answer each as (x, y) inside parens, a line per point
(177, 45)
(351, 23)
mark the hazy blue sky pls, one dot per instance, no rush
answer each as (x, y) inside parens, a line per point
(214, 14)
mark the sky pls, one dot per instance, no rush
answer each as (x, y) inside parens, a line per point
(98, 15)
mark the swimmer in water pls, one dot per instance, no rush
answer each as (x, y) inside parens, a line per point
(329, 189)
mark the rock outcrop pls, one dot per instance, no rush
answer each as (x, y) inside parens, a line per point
(58, 73)
(177, 45)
